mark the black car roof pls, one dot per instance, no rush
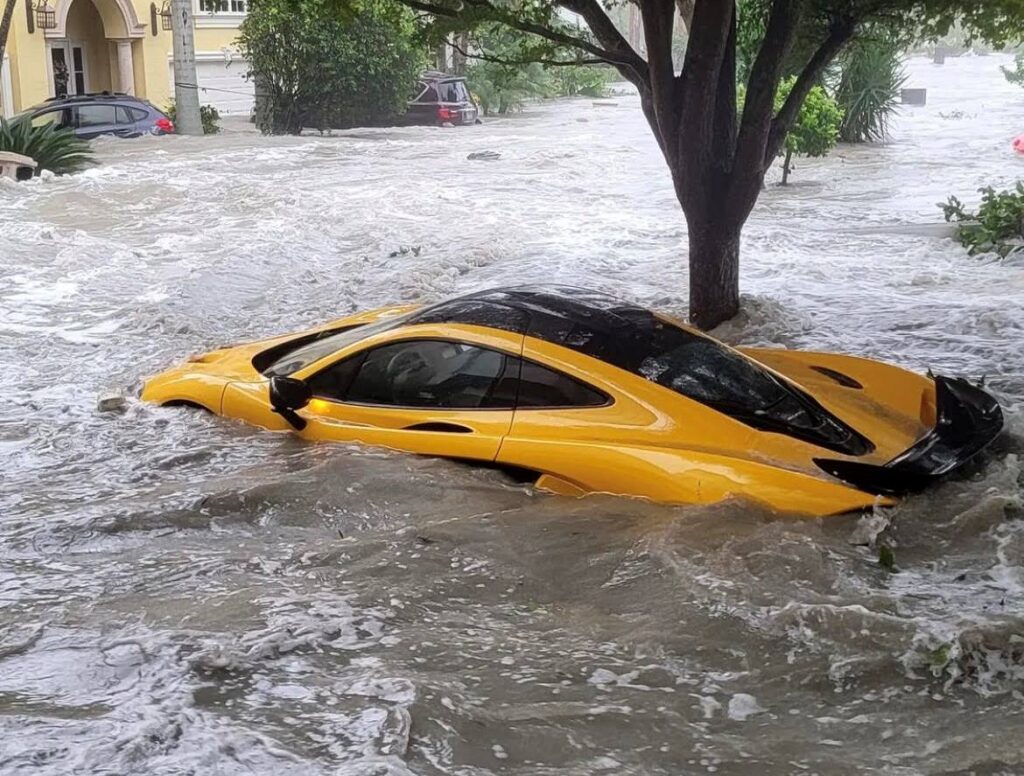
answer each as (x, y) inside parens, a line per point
(93, 97)
(436, 75)
(547, 312)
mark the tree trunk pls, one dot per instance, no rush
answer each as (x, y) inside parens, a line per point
(714, 273)
(787, 167)
(5, 28)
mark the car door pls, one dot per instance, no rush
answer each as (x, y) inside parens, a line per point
(95, 118)
(129, 121)
(429, 395)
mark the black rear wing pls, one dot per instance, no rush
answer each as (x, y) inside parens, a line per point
(967, 420)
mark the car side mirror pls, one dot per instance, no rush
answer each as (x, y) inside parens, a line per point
(288, 394)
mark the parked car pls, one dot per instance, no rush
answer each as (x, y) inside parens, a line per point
(583, 393)
(102, 113)
(440, 99)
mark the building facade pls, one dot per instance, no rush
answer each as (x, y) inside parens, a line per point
(120, 46)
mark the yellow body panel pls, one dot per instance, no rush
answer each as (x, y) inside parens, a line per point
(647, 442)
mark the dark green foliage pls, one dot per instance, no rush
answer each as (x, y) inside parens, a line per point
(208, 114)
(997, 227)
(869, 90)
(816, 129)
(315, 66)
(502, 77)
(583, 81)
(55, 149)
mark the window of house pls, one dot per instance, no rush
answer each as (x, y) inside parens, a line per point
(96, 115)
(223, 6)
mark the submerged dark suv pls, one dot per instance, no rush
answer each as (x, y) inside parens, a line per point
(441, 99)
(102, 113)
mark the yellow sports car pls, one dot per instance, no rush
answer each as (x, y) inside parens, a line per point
(584, 393)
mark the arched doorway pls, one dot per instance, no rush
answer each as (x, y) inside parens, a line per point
(90, 49)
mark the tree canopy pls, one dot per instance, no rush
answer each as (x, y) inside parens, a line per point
(717, 155)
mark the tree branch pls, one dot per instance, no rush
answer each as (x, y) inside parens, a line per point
(658, 19)
(602, 28)
(518, 62)
(699, 80)
(632, 67)
(839, 35)
(765, 74)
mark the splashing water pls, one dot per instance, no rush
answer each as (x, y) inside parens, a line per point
(184, 594)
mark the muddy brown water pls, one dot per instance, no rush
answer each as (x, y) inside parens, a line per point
(186, 595)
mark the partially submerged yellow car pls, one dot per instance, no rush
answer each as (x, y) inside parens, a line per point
(585, 393)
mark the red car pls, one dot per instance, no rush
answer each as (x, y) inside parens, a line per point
(442, 99)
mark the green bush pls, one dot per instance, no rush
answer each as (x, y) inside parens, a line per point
(816, 128)
(581, 81)
(316, 65)
(208, 115)
(997, 227)
(869, 90)
(55, 149)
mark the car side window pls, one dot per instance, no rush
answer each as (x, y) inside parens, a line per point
(334, 381)
(96, 115)
(543, 387)
(419, 373)
(126, 115)
(59, 118)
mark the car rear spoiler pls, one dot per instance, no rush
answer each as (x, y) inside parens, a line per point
(967, 420)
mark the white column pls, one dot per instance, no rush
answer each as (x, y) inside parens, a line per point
(6, 87)
(125, 68)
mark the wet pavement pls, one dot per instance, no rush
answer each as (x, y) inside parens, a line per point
(181, 594)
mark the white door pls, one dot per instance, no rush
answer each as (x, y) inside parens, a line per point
(67, 68)
(222, 83)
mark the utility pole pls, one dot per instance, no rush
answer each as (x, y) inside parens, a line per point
(186, 90)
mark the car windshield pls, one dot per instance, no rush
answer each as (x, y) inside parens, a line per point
(304, 351)
(692, 365)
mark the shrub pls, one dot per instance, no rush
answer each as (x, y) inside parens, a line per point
(582, 81)
(208, 115)
(315, 65)
(816, 128)
(869, 90)
(54, 148)
(997, 227)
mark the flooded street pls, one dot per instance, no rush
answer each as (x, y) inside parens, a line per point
(182, 594)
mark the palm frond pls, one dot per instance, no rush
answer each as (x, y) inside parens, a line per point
(57, 149)
(869, 91)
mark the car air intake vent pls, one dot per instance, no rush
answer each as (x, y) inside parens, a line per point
(844, 380)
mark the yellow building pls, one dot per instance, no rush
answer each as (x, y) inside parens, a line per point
(120, 45)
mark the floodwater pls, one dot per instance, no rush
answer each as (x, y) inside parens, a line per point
(181, 594)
